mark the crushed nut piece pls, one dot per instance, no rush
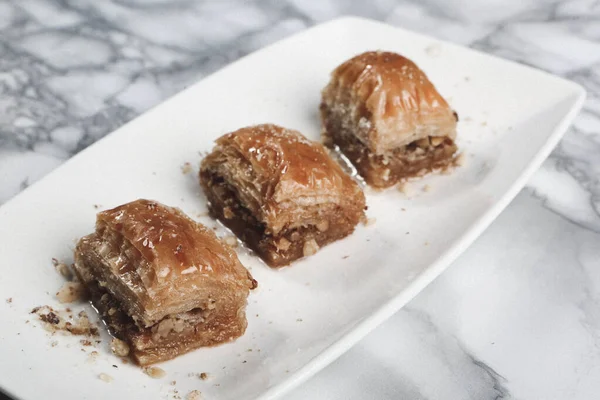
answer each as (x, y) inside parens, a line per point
(204, 376)
(310, 247)
(227, 213)
(322, 226)
(186, 168)
(154, 372)
(437, 140)
(105, 377)
(119, 347)
(70, 292)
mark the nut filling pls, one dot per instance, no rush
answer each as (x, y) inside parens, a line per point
(277, 249)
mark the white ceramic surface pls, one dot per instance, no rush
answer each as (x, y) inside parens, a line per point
(302, 317)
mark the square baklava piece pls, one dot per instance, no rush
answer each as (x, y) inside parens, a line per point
(279, 192)
(389, 120)
(162, 283)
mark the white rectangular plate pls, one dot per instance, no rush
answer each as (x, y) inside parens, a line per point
(303, 317)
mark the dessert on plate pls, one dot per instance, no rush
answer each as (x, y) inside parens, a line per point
(385, 115)
(279, 192)
(162, 283)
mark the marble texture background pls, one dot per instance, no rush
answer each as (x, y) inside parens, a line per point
(516, 317)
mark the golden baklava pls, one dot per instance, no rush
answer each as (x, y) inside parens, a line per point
(389, 120)
(279, 192)
(163, 284)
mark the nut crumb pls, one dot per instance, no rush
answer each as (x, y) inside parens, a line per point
(193, 395)
(227, 213)
(406, 188)
(231, 241)
(204, 376)
(70, 292)
(310, 247)
(154, 372)
(186, 168)
(119, 347)
(105, 377)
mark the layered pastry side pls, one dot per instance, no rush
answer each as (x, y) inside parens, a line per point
(279, 192)
(389, 120)
(162, 283)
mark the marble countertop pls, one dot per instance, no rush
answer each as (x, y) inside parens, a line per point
(516, 317)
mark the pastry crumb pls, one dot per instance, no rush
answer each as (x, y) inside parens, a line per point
(173, 383)
(70, 292)
(460, 160)
(186, 168)
(204, 376)
(228, 213)
(194, 395)
(85, 342)
(9, 300)
(119, 347)
(154, 372)
(370, 221)
(62, 269)
(105, 377)
(310, 247)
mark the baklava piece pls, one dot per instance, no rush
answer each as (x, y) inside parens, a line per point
(163, 284)
(389, 120)
(279, 192)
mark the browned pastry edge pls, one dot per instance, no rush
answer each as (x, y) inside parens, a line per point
(385, 170)
(174, 335)
(288, 245)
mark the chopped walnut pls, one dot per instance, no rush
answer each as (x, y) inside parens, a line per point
(322, 226)
(283, 244)
(437, 140)
(310, 247)
(154, 372)
(105, 377)
(227, 213)
(119, 347)
(70, 292)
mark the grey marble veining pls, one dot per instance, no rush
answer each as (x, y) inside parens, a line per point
(516, 317)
